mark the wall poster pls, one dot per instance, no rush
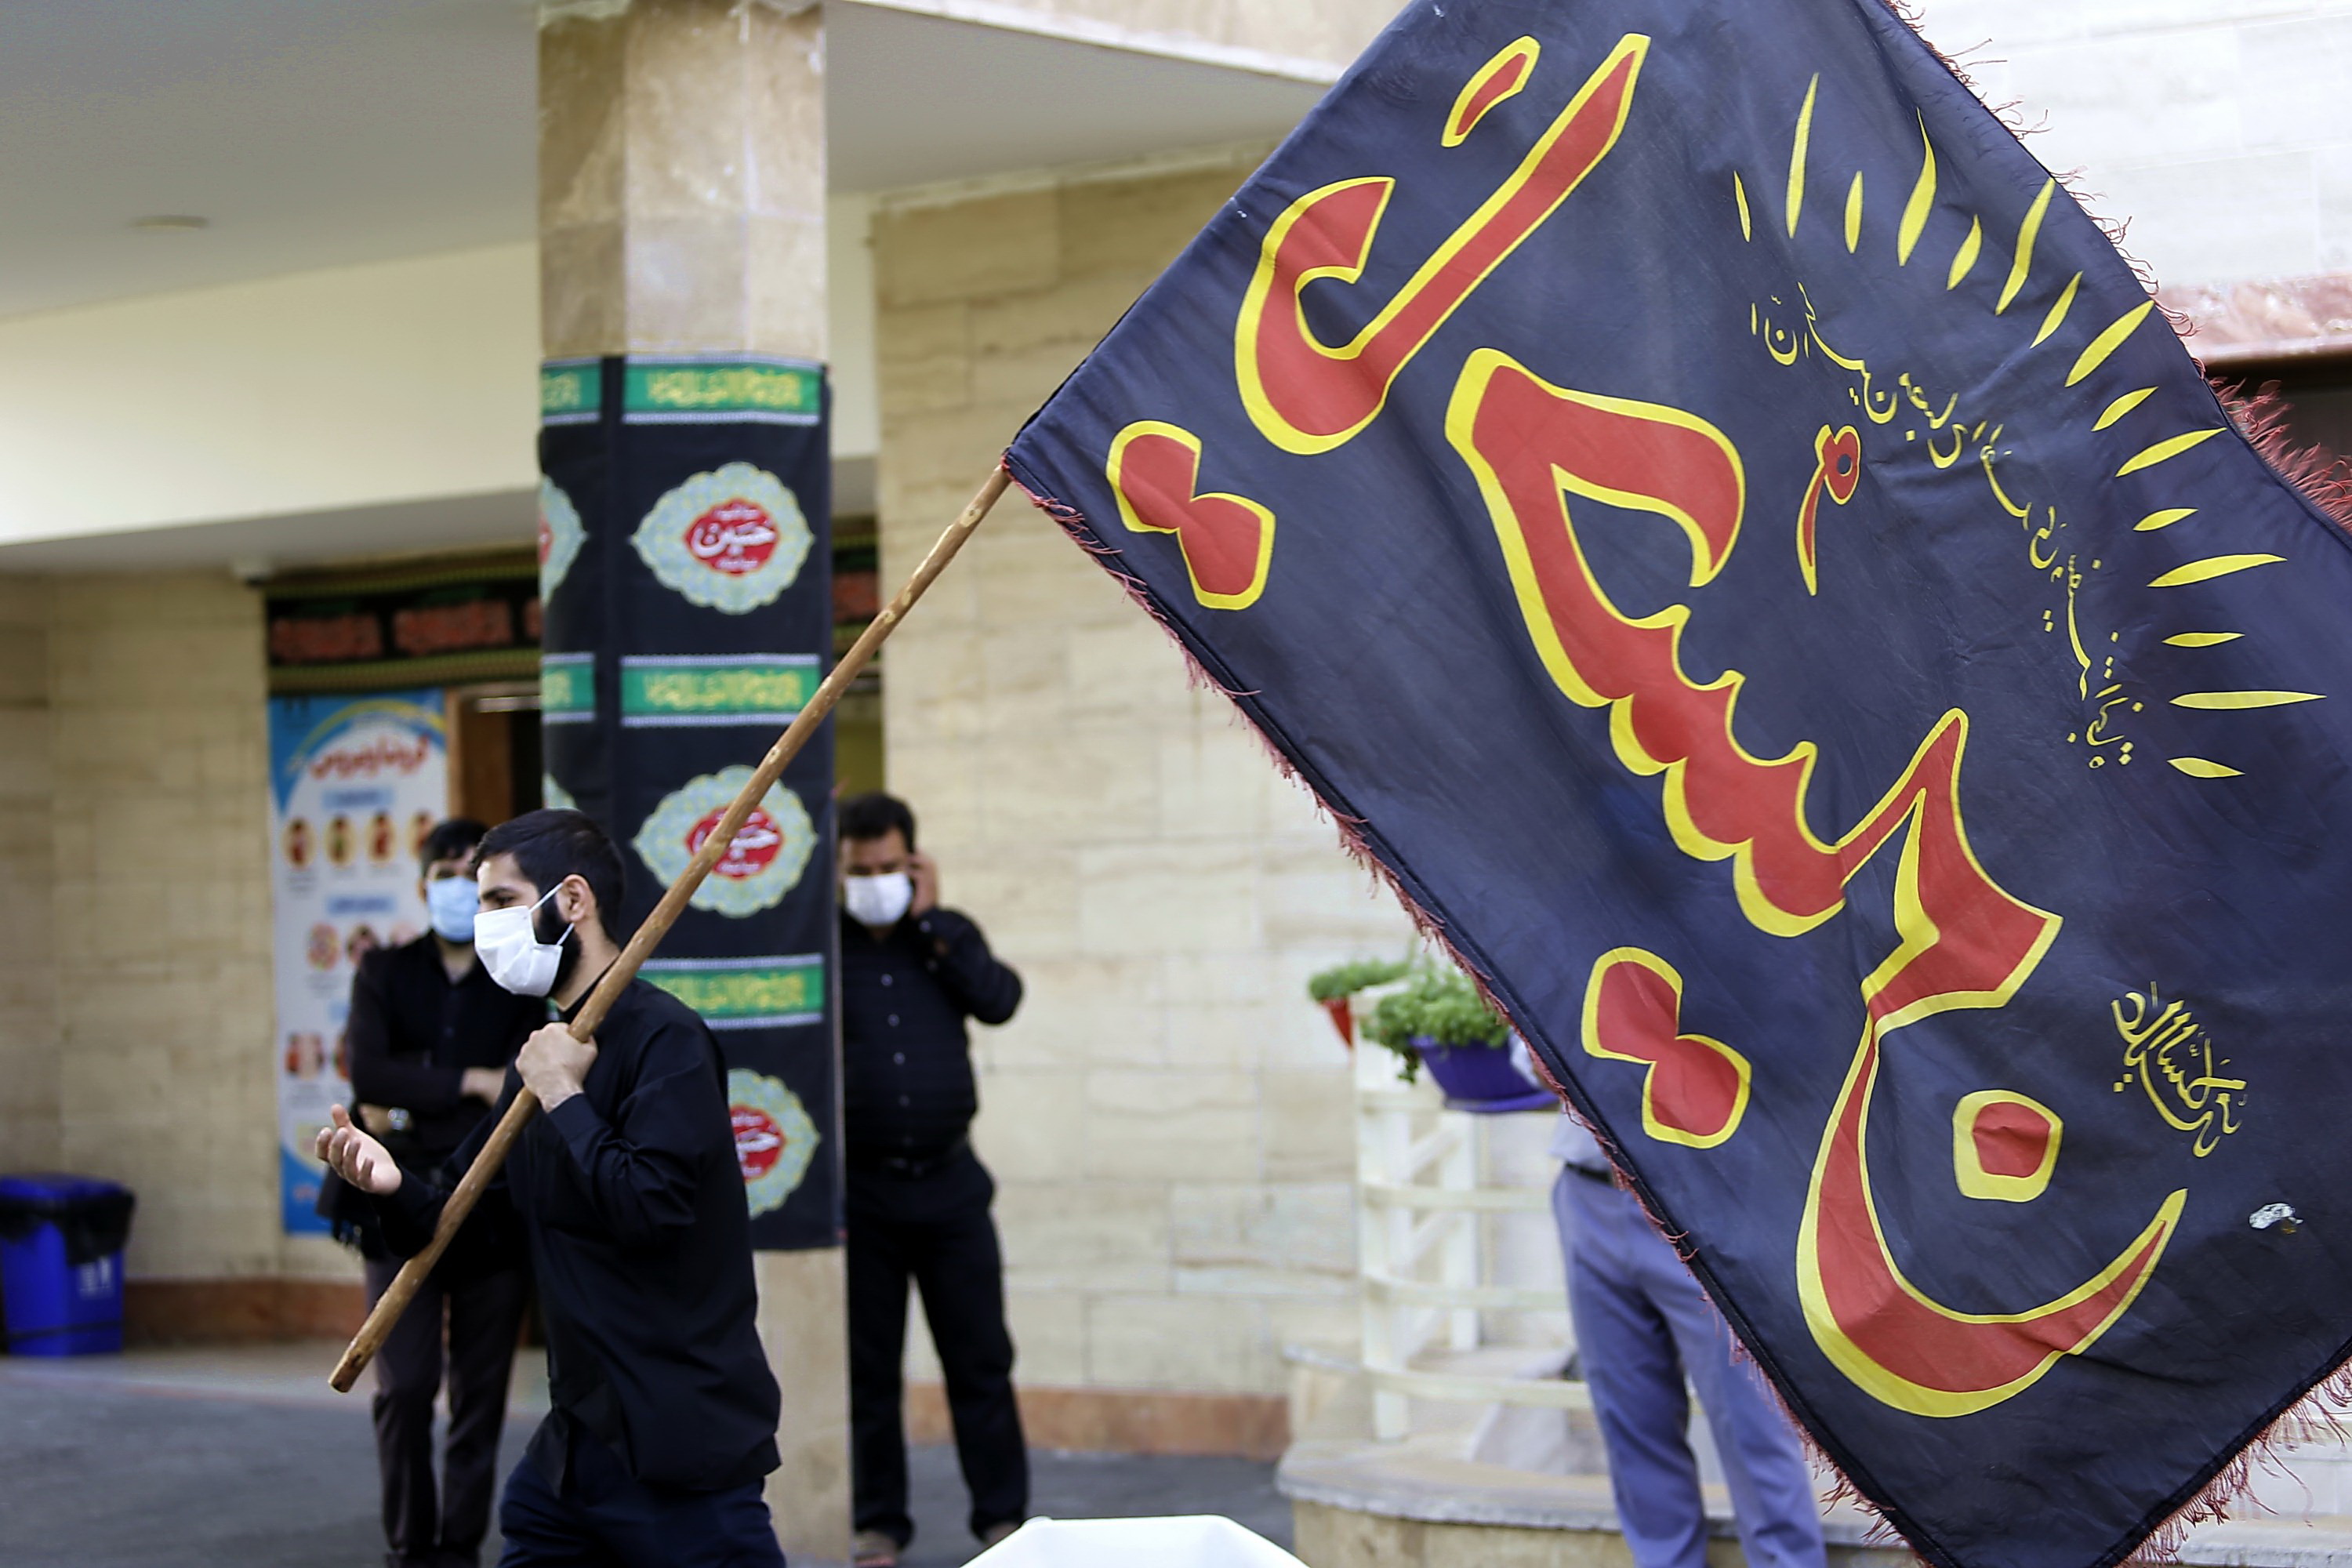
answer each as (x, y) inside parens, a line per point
(355, 783)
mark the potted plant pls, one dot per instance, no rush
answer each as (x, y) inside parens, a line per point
(1438, 1018)
(1336, 988)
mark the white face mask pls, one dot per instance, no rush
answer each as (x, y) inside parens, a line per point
(452, 903)
(878, 900)
(510, 949)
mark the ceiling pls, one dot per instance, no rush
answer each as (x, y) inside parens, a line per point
(255, 547)
(315, 133)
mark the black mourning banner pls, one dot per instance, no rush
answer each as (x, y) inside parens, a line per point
(685, 569)
(1815, 655)
(404, 626)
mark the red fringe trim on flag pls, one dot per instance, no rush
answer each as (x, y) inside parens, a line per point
(2319, 476)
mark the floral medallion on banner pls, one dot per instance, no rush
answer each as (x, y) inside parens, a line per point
(561, 535)
(776, 1138)
(729, 540)
(758, 869)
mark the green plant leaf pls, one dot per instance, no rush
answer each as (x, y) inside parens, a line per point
(1347, 979)
(1441, 1006)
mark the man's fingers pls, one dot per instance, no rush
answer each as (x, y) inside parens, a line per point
(344, 1149)
(343, 1118)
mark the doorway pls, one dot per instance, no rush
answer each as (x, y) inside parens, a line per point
(495, 767)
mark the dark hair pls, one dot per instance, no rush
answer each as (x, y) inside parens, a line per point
(451, 840)
(873, 814)
(549, 846)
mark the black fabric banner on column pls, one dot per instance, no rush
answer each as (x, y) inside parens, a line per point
(685, 571)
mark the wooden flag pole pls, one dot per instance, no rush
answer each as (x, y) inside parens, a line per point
(394, 1300)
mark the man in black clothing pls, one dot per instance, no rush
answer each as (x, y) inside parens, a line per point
(917, 1197)
(627, 1188)
(431, 1036)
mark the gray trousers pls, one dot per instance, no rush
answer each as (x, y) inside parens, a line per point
(1641, 1326)
(425, 1526)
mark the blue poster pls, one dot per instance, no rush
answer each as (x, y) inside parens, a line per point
(355, 783)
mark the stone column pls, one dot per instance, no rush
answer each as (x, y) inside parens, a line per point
(681, 209)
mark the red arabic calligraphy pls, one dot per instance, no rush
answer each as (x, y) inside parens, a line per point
(735, 537)
(755, 846)
(1966, 941)
(365, 760)
(1305, 396)
(759, 1141)
(1837, 471)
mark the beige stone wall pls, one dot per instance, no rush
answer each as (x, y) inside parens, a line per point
(28, 1017)
(1331, 31)
(152, 945)
(1170, 1119)
(2222, 129)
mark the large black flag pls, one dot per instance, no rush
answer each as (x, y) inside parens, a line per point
(1778, 597)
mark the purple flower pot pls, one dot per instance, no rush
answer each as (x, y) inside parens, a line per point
(1483, 1079)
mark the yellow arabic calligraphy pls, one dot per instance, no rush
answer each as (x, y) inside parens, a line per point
(1781, 342)
(1947, 436)
(2172, 1056)
(2032, 552)
(1985, 455)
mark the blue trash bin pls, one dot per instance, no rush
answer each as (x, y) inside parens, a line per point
(61, 1264)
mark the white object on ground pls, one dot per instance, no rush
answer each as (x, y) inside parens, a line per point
(1184, 1541)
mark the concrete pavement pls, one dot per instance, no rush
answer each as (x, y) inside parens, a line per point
(243, 1459)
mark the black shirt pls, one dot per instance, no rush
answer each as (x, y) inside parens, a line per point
(907, 1084)
(413, 1032)
(640, 1235)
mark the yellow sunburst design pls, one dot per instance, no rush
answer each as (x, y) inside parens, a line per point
(2167, 449)
(1966, 259)
(2212, 566)
(2057, 316)
(2228, 701)
(2123, 405)
(1797, 150)
(1922, 201)
(2107, 343)
(2027, 232)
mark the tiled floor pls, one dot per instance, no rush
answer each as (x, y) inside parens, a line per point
(243, 1459)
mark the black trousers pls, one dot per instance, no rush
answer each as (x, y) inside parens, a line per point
(425, 1526)
(932, 1228)
(602, 1516)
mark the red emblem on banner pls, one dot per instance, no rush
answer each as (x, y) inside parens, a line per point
(735, 537)
(754, 848)
(759, 1141)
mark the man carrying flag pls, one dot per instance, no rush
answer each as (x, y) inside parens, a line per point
(627, 1186)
